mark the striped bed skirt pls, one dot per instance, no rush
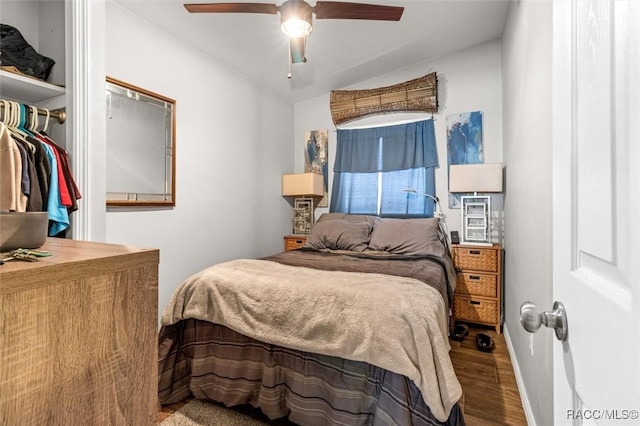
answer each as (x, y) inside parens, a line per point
(211, 362)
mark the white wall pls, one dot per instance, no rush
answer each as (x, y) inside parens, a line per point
(472, 82)
(527, 204)
(234, 142)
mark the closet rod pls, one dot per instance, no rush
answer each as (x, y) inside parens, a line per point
(59, 114)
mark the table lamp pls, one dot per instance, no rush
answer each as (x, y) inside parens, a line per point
(304, 187)
(476, 209)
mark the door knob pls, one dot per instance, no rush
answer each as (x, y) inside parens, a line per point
(532, 319)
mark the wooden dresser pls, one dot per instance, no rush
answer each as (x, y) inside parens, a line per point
(478, 294)
(292, 242)
(78, 336)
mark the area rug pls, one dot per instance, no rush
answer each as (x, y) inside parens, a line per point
(201, 413)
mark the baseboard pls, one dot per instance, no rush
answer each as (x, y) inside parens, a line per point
(528, 414)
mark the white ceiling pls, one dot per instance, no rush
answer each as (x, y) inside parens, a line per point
(339, 52)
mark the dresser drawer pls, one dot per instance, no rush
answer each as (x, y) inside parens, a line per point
(472, 284)
(475, 309)
(476, 259)
(294, 242)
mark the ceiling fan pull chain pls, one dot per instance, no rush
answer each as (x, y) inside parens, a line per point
(289, 75)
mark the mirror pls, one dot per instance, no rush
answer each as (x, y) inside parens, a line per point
(140, 146)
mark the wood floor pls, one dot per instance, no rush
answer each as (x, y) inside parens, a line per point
(491, 394)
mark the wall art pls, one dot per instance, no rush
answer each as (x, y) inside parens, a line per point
(316, 158)
(464, 144)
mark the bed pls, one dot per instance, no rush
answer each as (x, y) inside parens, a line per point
(351, 329)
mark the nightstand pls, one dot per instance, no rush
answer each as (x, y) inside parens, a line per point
(292, 242)
(478, 294)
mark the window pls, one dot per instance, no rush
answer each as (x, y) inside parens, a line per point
(374, 166)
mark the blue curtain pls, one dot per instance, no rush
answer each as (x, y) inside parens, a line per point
(373, 166)
(384, 149)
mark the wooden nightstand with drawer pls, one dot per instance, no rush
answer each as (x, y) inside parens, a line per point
(292, 242)
(478, 294)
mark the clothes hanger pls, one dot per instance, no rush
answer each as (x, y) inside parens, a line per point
(46, 121)
(33, 118)
(22, 118)
(43, 133)
(13, 121)
(33, 125)
(5, 111)
(6, 115)
(21, 121)
(12, 116)
(9, 116)
(24, 109)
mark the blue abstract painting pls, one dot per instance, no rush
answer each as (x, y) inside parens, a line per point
(464, 144)
(316, 158)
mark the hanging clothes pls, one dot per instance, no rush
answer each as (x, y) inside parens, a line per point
(69, 192)
(35, 172)
(11, 197)
(58, 215)
(58, 197)
(34, 203)
(43, 170)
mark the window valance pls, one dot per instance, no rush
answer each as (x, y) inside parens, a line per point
(417, 95)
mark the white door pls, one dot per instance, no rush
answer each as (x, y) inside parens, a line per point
(596, 209)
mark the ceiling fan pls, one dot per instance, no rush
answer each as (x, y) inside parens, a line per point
(296, 16)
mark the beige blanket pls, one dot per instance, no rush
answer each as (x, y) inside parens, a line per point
(395, 323)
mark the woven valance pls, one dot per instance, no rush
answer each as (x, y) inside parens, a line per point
(418, 95)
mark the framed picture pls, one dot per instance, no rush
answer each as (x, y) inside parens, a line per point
(316, 158)
(464, 144)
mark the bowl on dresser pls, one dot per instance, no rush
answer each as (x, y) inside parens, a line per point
(26, 230)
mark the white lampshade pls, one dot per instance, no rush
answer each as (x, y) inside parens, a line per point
(475, 177)
(302, 184)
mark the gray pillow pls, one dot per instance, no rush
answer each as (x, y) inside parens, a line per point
(412, 237)
(349, 217)
(339, 235)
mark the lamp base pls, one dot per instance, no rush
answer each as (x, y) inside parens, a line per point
(476, 220)
(303, 217)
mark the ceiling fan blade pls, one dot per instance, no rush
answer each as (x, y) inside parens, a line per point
(340, 10)
(232, 8)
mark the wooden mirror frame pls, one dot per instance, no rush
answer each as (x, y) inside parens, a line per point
(125, 198)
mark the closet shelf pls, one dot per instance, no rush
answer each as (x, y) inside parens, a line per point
(25, 89)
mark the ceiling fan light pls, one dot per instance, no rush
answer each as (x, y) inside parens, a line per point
(296, 27)
(295, 18)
